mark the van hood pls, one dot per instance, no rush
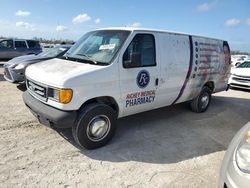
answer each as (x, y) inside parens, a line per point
(241, 71)
(57, 72)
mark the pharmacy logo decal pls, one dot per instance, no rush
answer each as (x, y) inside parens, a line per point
(139, 98)
(143, 79)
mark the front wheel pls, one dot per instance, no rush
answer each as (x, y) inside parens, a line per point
(202, 101)
(95, 126)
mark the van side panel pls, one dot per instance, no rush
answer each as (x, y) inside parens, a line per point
(175, 62)
(208, 65)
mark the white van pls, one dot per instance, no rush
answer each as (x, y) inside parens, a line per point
(115, 72)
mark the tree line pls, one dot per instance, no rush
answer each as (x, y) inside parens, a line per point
(237, 52)
(49, 41)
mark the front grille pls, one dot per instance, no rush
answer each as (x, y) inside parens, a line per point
(7, 73)
(37, 89)
(239, 85)
(244, 80)
(242, 76)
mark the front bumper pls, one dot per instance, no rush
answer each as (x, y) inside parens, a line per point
(230, 174)
(13, 75)
(234, 178)
(239, 82)
(49, 115)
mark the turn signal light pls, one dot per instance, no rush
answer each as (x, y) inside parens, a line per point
(65, 95)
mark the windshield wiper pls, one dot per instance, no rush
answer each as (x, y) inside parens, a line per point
(65, 56)
(88, 58)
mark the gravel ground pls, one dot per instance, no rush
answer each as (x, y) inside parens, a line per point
(168, 147)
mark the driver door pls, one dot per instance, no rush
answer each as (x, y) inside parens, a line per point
(139, 74)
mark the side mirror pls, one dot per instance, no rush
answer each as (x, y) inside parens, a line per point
(133, 61)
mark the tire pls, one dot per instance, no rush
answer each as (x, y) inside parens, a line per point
(202, 101)
(95, 126)
(236, 64)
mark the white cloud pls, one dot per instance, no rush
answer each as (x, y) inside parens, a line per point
(81, 18)
(135, 24)
(22, 13)
(61, 28)
(248, 21)
(24, 25)
(206, 6)
(98, 20)
(232, 22)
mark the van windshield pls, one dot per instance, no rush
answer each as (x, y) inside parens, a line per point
(97, 47)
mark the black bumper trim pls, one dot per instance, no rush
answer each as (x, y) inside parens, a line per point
(49, 115)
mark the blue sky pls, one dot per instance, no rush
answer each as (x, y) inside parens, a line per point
(65, 19)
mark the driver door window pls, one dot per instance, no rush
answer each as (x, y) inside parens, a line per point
(140, 52)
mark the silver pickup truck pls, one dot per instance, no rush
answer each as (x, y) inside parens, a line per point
(10, 48)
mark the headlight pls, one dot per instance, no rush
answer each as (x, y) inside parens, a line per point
(20, 66)
(53, 93)
(61, 95)
(243, 154)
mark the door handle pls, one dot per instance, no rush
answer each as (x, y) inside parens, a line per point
(156, 81)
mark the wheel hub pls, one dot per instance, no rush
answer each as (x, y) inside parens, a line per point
(98, 128)
(204, 101)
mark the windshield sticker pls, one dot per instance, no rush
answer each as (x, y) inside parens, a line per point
(137, 98)
(107, 47)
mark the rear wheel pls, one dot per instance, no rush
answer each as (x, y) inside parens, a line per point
(95, 126)
(202, 101)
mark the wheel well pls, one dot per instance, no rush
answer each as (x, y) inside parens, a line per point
(210, 85)
(110, 101)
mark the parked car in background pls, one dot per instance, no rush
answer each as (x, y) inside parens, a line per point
(238, 59)
(14, 70)
(235, 169)
(10, 48)
(240, 76)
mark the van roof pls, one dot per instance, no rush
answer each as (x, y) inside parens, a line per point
(154, 30)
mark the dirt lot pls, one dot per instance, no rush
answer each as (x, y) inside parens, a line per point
(168, 147)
